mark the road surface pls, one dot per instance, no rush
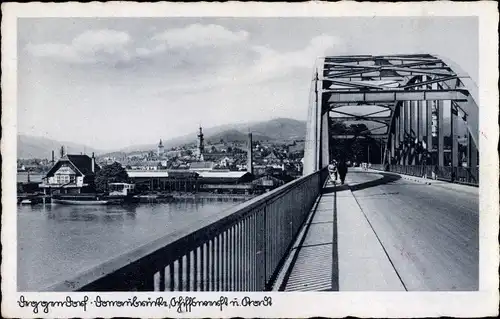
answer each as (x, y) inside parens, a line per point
(429, 232)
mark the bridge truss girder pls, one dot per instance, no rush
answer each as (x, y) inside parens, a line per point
(398, 95)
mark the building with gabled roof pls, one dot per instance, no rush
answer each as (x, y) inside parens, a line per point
(71, 174)
(201, 166)
(226, 182)
(267, 183)
(273, 158)
(223, 177)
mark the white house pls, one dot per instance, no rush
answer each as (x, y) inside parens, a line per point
(71, 174)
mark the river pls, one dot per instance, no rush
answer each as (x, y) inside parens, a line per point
(55, 242)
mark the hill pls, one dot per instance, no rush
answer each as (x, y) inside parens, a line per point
(279, 129)
(41, 147)
(234, 135)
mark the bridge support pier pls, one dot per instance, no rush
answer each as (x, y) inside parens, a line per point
(402, 134)
(428, 128)
(325, 141)
(454, 136)
(395, 137)
(414, 131)
(440, 133)
(407, 133)
(316, 151)
(393, 142)
(418, 137)
(473, 160)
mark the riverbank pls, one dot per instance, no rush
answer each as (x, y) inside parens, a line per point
(212, 196)
(26, 198)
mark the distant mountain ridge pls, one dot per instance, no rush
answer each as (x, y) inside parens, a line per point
(41, 147)
(279, 129)
(234, 135)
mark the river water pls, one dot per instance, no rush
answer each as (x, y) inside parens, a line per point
(56, 242)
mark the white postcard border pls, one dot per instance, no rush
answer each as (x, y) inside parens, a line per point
(362, 304)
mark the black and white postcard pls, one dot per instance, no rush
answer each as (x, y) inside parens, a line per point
(250, 160)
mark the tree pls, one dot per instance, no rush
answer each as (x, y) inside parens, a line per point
(357, 151)
(338, 128)
(113, 173)
(359, 129)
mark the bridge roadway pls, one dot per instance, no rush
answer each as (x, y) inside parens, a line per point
(382, 232)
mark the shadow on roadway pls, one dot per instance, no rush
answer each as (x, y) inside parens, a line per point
(385, 179)
(334, 188)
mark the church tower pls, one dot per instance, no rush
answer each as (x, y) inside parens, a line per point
(201, 147)
(160, 149)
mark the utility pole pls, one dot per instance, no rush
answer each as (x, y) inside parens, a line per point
(368, 153)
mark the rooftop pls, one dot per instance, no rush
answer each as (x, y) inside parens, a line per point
(83, 163)
(201, 165)
(147, 174)
(223, 174)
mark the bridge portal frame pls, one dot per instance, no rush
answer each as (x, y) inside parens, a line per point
(414, 88)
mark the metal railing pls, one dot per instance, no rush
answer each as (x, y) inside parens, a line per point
(461, 175)
(242, 251)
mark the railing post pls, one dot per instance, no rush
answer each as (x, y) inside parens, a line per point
(220, 265)
(230, 257)
(161, 284)
(220, 262)
(239, 256)
(203, 267)
(188, 271)
(212, 265)
(146, 282)
(264, 246)
(180, 269)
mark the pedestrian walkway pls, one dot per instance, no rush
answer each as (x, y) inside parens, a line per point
(339, 250)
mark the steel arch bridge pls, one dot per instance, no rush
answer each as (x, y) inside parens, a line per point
(398, 101)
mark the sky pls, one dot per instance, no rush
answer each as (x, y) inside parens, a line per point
(114, 82)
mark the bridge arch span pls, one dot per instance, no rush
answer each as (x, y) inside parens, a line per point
(403, 104)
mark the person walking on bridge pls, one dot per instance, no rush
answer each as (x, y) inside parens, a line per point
(332, 169)
(342, 168)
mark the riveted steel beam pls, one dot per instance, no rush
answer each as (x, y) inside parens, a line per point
(436, 80)
(350, 136)
(366, 115)
(333, 106)
(395, 95)
(383, 120)
(355, 84)
(375, 77)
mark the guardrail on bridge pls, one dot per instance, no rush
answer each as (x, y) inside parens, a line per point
(242, 251)
(461, 175)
